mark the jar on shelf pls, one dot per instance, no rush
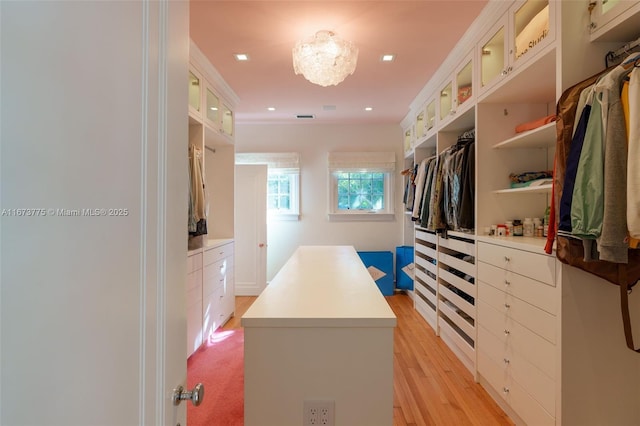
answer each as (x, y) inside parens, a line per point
(517, 228)
(527, 227)
(509, 228)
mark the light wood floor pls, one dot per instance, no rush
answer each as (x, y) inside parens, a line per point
(430, 385)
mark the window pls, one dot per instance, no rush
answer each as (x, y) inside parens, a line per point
(282, 193)
(361, 185)
(283, 182)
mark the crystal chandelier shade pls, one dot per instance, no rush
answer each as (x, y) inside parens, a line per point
(325, 59)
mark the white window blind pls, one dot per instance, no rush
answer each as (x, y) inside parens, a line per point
(286, 162)
(384, 162)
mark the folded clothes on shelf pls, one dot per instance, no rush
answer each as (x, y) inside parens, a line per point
(530, 125)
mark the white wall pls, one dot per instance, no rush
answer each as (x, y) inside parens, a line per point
(313, 142)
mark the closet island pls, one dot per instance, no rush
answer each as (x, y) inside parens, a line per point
(321, 331)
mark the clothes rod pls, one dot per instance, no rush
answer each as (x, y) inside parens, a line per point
(615, 54)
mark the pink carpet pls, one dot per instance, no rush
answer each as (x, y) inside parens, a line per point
(219, 365)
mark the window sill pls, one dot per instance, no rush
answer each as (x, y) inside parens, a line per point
(284, 217)
(361, 217)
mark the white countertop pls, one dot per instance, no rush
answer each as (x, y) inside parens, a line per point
(532, 244)
(321, 286)
(212, 243)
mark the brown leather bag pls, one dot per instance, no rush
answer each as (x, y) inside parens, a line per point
(570, 250)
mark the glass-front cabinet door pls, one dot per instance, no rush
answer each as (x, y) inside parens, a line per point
(420, 126)
(213, 109)
(464, 85)
(195, 85)
(531, 30)
(493, 55)
(446, 102)
(227, 120)
(608, 14)
(431, 115)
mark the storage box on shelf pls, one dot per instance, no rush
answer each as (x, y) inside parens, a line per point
(517, 329)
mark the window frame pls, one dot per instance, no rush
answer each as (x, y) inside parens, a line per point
(281, 163)
(369, 162)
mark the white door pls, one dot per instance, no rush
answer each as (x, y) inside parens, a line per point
(93, 193)
(251, 229)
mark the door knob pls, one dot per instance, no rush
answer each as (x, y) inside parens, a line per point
(195, 396)
(261, 245)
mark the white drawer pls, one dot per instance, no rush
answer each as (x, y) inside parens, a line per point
(537, 266)
(535, 319)
(539, 385)
(194, 284)
(458, 245)
(194, 262)
(527, 289)
(216, 253)
(426, 236)
(514, 336)
(513, 393)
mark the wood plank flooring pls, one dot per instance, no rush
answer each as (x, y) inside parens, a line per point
(430, 385)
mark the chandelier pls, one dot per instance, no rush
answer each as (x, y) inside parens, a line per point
(325, 59)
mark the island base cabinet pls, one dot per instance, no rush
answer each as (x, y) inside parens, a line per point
(352, 366)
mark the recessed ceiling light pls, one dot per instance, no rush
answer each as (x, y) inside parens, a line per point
(271, 109)
(387, 57)
(241, 56)
(368, 108)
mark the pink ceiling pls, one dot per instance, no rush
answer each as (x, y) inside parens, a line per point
(421, 33)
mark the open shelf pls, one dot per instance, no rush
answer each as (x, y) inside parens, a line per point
(542, 137)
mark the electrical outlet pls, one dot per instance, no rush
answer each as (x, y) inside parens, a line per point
(318, 413)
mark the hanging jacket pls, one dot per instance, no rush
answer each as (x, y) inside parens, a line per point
(633, 162)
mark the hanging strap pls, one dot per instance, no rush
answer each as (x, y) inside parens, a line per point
(625, 288)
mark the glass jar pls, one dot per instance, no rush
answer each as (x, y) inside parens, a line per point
(509, 228)
(527, 227)
(517, 228)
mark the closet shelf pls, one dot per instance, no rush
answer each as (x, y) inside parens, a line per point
(542, 137)
(528, 190)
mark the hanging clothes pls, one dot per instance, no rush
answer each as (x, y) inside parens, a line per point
(633, 160)
(595, 205)
(197, 221)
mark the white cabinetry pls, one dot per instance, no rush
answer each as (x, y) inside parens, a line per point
(526, 29)
(534, 316)
(457, 295)
(517, 329)
(456, 93)
(217, 286)
(615, 20)
(425, 283)
(194, 301)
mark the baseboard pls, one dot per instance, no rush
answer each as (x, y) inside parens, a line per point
(247, 289)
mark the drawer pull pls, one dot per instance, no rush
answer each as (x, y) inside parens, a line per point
(505, 390)
(506, 305)
(507, 332)
(506, 360)
(507, 259)
(506, 282)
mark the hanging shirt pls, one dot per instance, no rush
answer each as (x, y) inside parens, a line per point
(633, 159)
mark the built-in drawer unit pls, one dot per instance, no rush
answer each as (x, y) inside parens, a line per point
(457, 294)
(426, 270)
(518, 328)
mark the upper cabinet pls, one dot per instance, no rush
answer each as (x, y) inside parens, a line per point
(614, 20)
(195, 94)
(524, 30)
(211, 101)
(456, 94)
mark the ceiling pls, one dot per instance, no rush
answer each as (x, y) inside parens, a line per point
(421, 33)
